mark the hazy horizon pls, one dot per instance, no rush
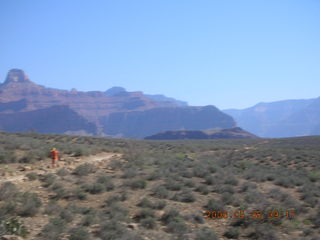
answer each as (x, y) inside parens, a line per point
(228, 54)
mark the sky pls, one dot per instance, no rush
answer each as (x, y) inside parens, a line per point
(227, 53)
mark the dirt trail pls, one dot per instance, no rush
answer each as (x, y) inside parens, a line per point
(43, 167)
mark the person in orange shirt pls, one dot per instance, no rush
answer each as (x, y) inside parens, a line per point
(54, 157)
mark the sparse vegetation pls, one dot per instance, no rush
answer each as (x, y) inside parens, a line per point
(159, 189)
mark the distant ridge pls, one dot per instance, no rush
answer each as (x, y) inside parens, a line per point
(230, 133)
(115, 112)
(288, 118)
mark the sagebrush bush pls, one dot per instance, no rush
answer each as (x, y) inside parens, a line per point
(53, 229)
(214, 205)
(137, 183)
(94, 188)
(170, 215)
(29, 204)
(84, 169)
(63, 172)
(203, 189)
(48, 179)
(205, 234)
(160, 192)
(144, 213)
(232, 232)
(184, 196)
(7, 191)
(79, 233)
(32, 176)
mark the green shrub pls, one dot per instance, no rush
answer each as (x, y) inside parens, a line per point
(137, 183)
(200, 171)
(80, 194)
(232, 232)
(111, 230)
(66, 215)
(130, 173)
(48, 179)
(7, 191)
(12, 226)
(227, 198)
(29, 204)
(144, 213)
(173, 185)
(177, 227)
(145, 203)
(53, 229)
(160, 192)
(79, 233)
(205, 234)
(32, 176)
(263, 232)
(94, 188)
(203, 189)
(52, 209)
(170, 215)
(103, 179)
(214, 205)
(62, 172)
(84, 169)
(195, 218)
(184, 196)
(148, 222)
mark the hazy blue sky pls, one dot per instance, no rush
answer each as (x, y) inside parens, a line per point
(228, 53)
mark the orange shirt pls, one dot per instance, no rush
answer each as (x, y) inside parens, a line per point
(54, 154)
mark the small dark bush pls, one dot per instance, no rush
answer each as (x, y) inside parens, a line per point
(66, 215)
(94, 188)
(103, 179)
(227, 198)
(59, 190)
(189, 183)
(53, 229)
(48, 179)
(145, 203)
(12, 226)
(32, 176)
(137, 183)
(29, 204)
(160, 192)
(7, 191)
(80, 194)
(52, 208)
(203, 189)
(232, 232)
(205, 234)
(195, 218)
(62, 172)
(214, 205)
(247, 186)
(84, 169)
(262, 232)
(144, 213)
(130, 173)
(173, 185)
(111, 230)
(177, 227)
(117, 212)
(200, 171)
(170, 215)
(148, 222)
(184, 196)
(159, 205)
(231, 180)
(79, 233)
